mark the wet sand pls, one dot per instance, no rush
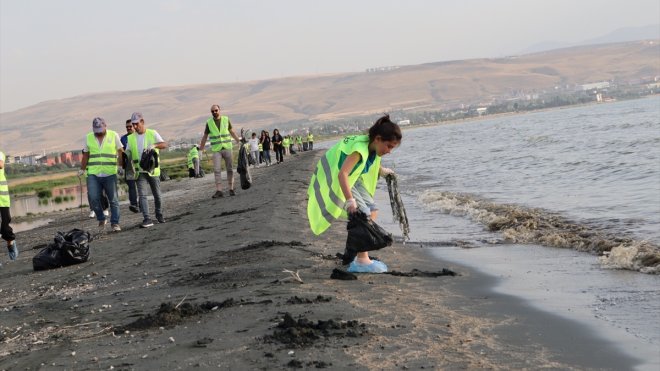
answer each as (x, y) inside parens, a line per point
(207, 289)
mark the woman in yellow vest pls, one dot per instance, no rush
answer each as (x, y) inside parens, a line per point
(345, 181)
(6, 231)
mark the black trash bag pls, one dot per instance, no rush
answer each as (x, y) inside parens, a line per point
(365, 235)
(243, 168)
(149, 160)
(68, 248)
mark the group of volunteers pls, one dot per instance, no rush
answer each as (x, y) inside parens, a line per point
(133, 156)
(342, 184)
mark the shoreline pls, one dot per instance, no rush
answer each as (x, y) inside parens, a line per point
(231, 253)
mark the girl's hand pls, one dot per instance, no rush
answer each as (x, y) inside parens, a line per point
(350, 206)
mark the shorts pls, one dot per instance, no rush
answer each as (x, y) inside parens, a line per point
(365, 202)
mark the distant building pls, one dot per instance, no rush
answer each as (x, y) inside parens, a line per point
(403, 122)
(595, 85)
(482, 110)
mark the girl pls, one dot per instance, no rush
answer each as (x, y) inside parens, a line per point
(345, 181)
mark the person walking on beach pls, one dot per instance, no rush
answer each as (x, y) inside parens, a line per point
(129, 176)
(218, 129)
(265, 147)
(146, 143)
(193, 162)
(6, 232)
(277, 146)
(310, 141)
(103, 160)
(254, 148)
(332, 192)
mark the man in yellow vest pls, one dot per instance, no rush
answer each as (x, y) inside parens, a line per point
(142, 141)
(103, 160)
(218, 129)
(6, 231)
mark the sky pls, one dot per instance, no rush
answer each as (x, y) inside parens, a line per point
(58, 49)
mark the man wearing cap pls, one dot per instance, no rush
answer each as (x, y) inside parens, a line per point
(130, 175)
(6, 232)
(218, 129)
(146, 140)
(103, 160)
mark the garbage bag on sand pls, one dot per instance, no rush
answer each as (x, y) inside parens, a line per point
(68, 248)
(365, 234)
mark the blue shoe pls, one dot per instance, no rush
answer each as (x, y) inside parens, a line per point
(13, 251)
(375, 267)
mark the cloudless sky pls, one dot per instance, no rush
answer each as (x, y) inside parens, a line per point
(52, 49)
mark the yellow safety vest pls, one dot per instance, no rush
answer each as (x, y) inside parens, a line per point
(102, 160)
(310, 137)
(5, 201)
(261, 147)
(219, 137)
(325, 198)
(149, 138)
(192, 154)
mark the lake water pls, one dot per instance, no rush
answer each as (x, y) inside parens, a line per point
(536, 197)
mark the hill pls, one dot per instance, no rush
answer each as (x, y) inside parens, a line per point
(178, 112)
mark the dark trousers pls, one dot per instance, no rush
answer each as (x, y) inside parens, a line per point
(132, 192)
(279, 153)
(5, 230)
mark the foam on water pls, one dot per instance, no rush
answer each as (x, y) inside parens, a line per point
(519, 224)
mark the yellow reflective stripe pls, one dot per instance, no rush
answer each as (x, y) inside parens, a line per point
(102, 155)
(4, 193)
(4, 182)
(328, 180)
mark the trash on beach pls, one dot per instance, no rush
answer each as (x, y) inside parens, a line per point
(294, 276)
(398, 210)
(67, 249)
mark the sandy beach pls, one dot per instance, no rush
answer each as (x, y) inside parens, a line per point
(208, 289)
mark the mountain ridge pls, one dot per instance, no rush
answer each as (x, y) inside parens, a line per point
(180, 111)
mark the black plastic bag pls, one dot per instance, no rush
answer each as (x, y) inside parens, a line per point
(243, 168)
(149, 160)
(365, 235)
(67, 249)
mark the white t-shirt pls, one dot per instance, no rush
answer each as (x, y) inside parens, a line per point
(254, 144)
(101, 143)
(140, 141)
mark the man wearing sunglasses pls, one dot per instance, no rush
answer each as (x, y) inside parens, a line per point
(218, 129)
(130, 175)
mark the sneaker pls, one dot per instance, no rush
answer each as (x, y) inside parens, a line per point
(102, 223)
(92, 214)
(232, 193)
(160, 219)
(106, 212)
(13, 250)
(218, 194)
(375, 267)
(146, 223)
(116, 228)
(134, 208)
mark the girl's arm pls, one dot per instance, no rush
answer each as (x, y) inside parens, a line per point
(345, 170)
